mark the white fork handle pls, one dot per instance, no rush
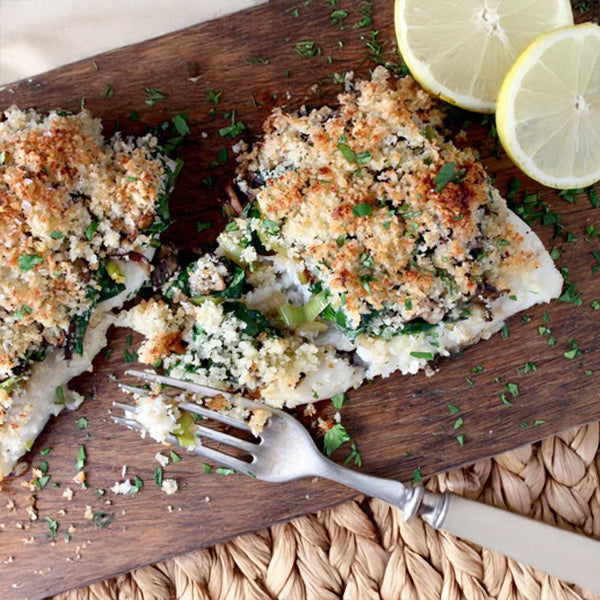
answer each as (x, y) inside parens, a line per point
(569, 556)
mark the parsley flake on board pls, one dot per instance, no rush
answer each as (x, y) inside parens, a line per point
(339, 400)
(153, 96)
(158, 476)
(334, 438)
(81, 458)
(224, 471)
(82, 422)
(417, 477)
(203, 226)
(53, 526)
(102, 519)
(307, 49)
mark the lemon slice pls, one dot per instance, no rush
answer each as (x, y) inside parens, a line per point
(461, 50)
(548, 116)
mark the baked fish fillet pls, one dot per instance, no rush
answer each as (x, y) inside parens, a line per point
(368, 245)
(79, 218)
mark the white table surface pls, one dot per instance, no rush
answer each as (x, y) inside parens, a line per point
(38, 35)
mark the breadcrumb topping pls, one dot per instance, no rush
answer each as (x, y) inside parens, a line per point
(69, 200)
(367, 199)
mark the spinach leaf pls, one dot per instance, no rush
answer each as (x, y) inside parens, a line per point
(236, 286)
(255, 321)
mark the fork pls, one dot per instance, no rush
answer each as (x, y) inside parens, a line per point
(285, 451)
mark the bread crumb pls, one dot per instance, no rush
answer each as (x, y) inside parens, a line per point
(169, 486)
(162, 460)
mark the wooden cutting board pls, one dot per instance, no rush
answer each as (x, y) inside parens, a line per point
(403, 425)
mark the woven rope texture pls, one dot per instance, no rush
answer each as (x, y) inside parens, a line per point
(361, 550)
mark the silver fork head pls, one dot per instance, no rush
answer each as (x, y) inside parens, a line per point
(285, 450)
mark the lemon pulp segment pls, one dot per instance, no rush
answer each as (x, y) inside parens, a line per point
(548, 116)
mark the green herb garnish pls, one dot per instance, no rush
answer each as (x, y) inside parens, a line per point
(28, 261)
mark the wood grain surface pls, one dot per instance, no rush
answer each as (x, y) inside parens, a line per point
(403, 425)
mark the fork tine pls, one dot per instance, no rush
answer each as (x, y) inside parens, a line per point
(212, 414)
(216, 456)
(180, 384)
(128, 423)
(134, 390)
(125, 407)
(198, 449)
(224, 438)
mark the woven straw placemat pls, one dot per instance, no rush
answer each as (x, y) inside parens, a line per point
(362, 550)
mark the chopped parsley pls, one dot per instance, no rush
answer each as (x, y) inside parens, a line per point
(158, 476)
(81, 458)
(425, 355)
(339, 400)
(28, 261)
(447, 174)
(42, 482)
(224, 471)
(102, 519)
(233, 130)
(91, 230)
(362, 210)
(596, 267)
(417, 476)
(513, 389)
(338, 17)
(360, 158)
(256, 60)
(365, 9)
(57, 235)
(213, 96)
(153, 96)
(82, 422)
(24, 310)
(180, 125)
(307, 49)
(202, 226)
(174, 456)
(574, 351)
(53, 526)
(130, 356)
(334, 438)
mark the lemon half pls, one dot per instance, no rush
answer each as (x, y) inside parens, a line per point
(548, 116)
(461, 50)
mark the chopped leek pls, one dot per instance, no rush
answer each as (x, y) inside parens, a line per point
(114, 271)
(200, 300)
(186, 430)
(294, 316)
(232, 250)
(8, 385)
